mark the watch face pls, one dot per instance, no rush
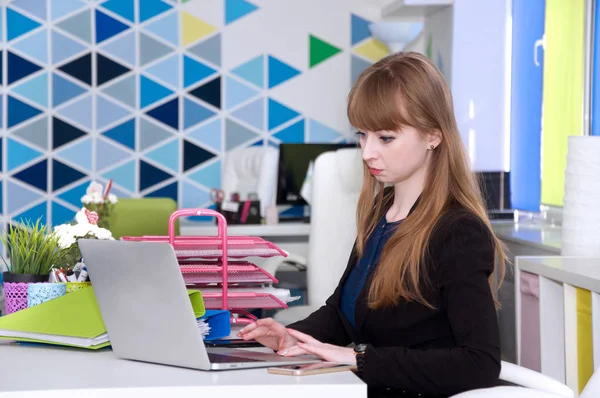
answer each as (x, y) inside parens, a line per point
(360, 348)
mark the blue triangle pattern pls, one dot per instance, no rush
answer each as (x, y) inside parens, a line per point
(293, 134)
(19, 111)
(236, 93)
(252, 71)
(1, 36)
(279, 114)
(209, 176)
(151, 8)
(63, 175)
(79, 111)
(108, 154)
(122, 48)
(166, 27)
(74, 194)
(107, 112)
(19, 67)
(194, 113)
(64, 90)
(318, 132)
(64, 47)
(123, 175)
(236, 9)
(166, 71)
(252, 114)
(123, 8)
(36, 8)
(167, 155)
(193, 196)
(359, 28)
(194, 71)
(123, 134)
(19, 154)
(280, 72)
(107, 26)
(167, 113)
(151, 92)
(79, 154)
(209, 134)
(35, 89)
(168, 191)
(19, 196)
(32, 215)
(18, 24)
(61, 214)
(59, 9)
(35, 46)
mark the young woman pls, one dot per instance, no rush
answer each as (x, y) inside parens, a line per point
(416, 297)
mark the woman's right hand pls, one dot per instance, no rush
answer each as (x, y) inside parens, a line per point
(273, 335)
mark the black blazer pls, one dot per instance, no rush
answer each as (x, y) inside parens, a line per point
(417, 350)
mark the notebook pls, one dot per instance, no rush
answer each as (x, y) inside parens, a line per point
(70, 320)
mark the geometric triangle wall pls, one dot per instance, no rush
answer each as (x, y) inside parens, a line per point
(154, 94)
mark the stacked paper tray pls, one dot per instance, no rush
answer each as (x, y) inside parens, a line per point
(211, 246)
(199, 272)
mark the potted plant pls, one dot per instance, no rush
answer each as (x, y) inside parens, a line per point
(101, 201)
(31, 252)
(86, 227)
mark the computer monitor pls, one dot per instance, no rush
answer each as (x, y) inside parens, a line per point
(294, 160)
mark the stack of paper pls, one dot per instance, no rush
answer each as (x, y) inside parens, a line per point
(282, 294)
(70, 320)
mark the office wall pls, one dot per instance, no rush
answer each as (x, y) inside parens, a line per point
(526, 103)
(480, 80)
(437, 36)
(155, 93)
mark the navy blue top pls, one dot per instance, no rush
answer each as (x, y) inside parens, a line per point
(359, 274)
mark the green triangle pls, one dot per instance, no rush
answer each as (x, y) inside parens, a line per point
(320, 50)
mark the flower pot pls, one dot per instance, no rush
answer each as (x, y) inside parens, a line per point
(15, 289)
(38, 293)
(23, 278)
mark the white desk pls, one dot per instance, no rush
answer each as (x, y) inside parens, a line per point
(63, 373)
(558, 279)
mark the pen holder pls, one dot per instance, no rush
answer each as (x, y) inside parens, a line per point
(37, 293)
(15, 296)
(73, 286)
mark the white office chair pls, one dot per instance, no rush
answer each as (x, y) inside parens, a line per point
(336, 184)
(532, 385)
(252, 170)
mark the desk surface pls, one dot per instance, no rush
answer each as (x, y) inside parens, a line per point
(533, 234)
(65, 372)
(582, 272)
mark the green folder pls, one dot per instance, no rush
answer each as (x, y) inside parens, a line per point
(70, 320)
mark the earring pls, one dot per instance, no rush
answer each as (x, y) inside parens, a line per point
(431, 147)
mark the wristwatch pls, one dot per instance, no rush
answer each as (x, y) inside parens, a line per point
(359, 353)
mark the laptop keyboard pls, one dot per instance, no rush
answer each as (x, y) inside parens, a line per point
(221, 358)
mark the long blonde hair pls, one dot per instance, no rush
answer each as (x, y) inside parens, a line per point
(406, 89)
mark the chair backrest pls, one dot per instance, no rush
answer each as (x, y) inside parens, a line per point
(336, 184)
(252, 170)
(142, 216)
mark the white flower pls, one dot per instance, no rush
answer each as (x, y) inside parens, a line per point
(81, 217)
(94, 187)
(103, 233)
(86, 199)
(112, 198)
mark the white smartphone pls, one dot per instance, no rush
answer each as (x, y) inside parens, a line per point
(310, 369)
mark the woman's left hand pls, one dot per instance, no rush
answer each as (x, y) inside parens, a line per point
(327, 352)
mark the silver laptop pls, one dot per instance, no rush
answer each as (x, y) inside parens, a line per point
(147, 312)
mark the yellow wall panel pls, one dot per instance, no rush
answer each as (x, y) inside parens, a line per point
(563, 91)
(585, 346)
